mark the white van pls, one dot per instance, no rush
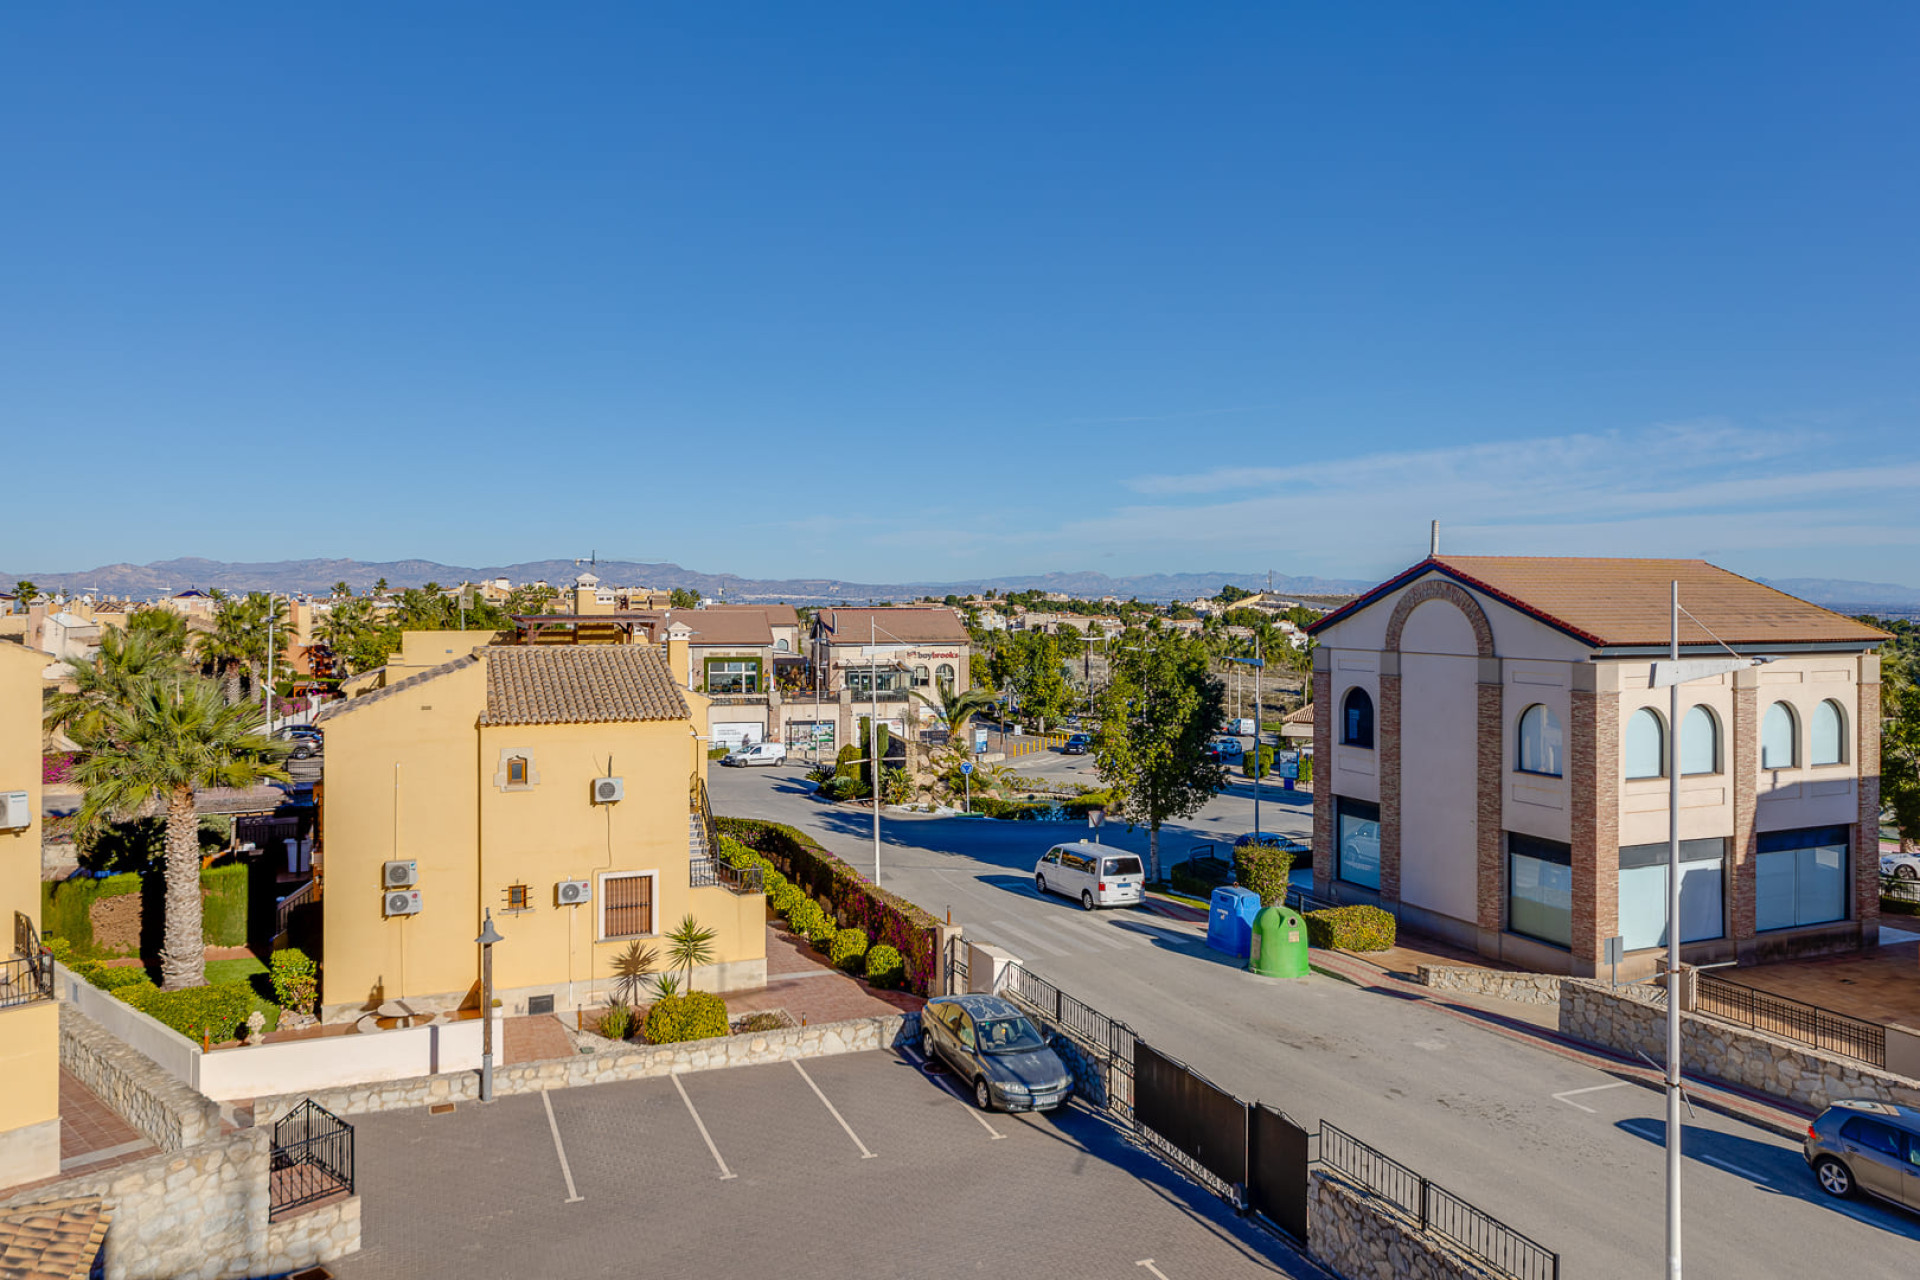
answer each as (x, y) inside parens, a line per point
(755, 753)
(1098, 875)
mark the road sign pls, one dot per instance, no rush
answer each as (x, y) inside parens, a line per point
(979, 742)
(1096, 817)
(966, 766)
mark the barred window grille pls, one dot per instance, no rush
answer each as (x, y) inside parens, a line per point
(627, 905)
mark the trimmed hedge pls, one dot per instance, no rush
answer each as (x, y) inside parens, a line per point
(216, 1012)
(1354, 928)
(295, 978)
(698, 1015)
(849, 950)
(66, 906)
(885, 917)
(1263, 869)
(885, 966)
(806, 916)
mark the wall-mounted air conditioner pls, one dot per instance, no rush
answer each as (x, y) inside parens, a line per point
(16, 814)
(400, 874)
(571, 893)
(608, 790)
(403, 902)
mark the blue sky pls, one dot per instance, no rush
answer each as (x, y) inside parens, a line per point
(914, 291)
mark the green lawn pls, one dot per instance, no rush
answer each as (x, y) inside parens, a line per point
(253, 972)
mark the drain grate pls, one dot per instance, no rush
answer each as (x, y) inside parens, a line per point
(440, 1109)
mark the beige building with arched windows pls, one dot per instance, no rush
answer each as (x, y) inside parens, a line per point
(1494, 762)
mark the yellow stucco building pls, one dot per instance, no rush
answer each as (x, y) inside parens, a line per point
(559, 787)
(29, 1017)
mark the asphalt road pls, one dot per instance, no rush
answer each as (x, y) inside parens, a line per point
(1564, 1152)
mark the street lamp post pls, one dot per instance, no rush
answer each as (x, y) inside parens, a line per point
(1258, 664)
(488, 936)
(1672, 674)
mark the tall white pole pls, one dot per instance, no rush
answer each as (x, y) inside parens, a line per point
(1673, 952)
(1259, 663)
(269, 662)
(873, 734)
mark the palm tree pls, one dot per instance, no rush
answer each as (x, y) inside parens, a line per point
(631, 968)
(26, 592)
(162, 627)
(172, 736)
(125, 661)
(229, 646)
(341, 590)
(956, 709)
(689, 944)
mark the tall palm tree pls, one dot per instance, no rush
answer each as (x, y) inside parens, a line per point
(956, 708)
(172, 735)
(689, 944)
(161, 626)
(230, 644)
(341, 590)
(125, 661)
(26, 592)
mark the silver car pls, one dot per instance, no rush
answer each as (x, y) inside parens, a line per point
(1000, 1053)
(1857, 1145)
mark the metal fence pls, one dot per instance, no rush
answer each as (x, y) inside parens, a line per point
(1436, 1209)
(1790, 1019)
(1899, 889)
(312, 1159)
(709, 872)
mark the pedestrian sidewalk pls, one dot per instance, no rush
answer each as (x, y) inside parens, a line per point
(801, 984)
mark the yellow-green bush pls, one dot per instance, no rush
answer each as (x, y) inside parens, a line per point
(698, 1015)
(885, 967)
(216, 1012)
(1355, 928)
(849, 950)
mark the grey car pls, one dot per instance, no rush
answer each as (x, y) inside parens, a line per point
(1858, 1145)
(1000, 1053)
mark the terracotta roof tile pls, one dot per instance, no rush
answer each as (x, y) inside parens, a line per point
(927, 625)
(723, 626)
(1623, 603)
(580, 684)
(412, 681)
(58, 1240)
(777, 615)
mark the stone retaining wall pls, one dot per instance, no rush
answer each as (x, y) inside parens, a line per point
(1525, 988)
(202, 1215)
(174, 1115)
(1364, 1237)
(603, 1066)
(1630, 1023)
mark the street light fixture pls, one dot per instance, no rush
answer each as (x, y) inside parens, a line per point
(488, 936)
(1258, 664)
(1670, 675)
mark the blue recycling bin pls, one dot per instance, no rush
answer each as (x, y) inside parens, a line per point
(1230, 922)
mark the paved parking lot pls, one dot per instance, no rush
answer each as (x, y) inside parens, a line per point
(855, 1166)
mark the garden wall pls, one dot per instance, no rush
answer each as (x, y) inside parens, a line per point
(1357, 1233)
(1525, 988)
(330, 1062)
(142, 1092)
(1630, 1023)
(616, 1062)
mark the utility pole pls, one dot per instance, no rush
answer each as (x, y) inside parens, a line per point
(873, 734)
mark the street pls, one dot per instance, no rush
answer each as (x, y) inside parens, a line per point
(1557, 1148)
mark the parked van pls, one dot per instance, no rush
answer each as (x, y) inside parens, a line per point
(1098, 875)
(756, 753)
(1242, 727)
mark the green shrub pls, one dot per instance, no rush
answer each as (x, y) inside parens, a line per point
(786, 898)
(1355, 928)
(698, 1015)
(733, 853)
(760, 1022)
(849, 950)
(1263, 869)
(617, 1020)
(1077, 806)
(215, 1012)
(59, 948)
(66, 907)
(1257, 763)
(806, 915)
(126, 975)
(885, 967)
(296, 979)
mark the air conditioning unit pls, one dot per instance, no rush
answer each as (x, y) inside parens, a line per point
(15, 813)
(571, 893)
(403, 902)
(400, 874)
(608, 790)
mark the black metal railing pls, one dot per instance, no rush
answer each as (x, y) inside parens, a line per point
(703, 810)
(1899, 889)
(312, 1159)
(28, 975)
(1790, 1019)
(709, 872)
(26, 938)
(1437, 1210)
(300, 897)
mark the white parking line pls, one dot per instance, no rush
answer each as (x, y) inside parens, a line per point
(1733, 1168)
(1148, 1264)
(1033, 938)
(1104, 934)
(972, 1110)
(1640, 1127)
(1570, 1094)
(725, 1172)
(864, 1153)
(566, 1170)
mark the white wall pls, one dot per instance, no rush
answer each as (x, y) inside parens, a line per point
(1439, 762)
(297, 1066)
(172, 1052)
(1533, 804)
(1356, 771)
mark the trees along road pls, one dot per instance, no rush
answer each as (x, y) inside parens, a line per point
(1471, 1108)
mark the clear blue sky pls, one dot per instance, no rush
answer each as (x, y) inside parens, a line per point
(930, 291)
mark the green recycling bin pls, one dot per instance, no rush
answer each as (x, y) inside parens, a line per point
(1279, 944)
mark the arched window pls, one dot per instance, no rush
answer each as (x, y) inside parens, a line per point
(1540, 741)
(920, 677)
(944, 674)
(1779, 734)
(1356, 719)
(781, 645)
(1645, 747)
(1829, 744)
(1699, 742)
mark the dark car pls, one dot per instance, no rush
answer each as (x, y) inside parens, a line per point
(1003, 1057)
(1078, 744)
(305, 740)
(1858, 1145)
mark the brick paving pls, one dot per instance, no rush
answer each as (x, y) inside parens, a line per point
(1881, 984)
(482, 1191)
(534, 1038)
(800, 982)
(88, 1127)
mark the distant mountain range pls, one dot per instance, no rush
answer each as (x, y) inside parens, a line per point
(164, 577)
(1844, 596)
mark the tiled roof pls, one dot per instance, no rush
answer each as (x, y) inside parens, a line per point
(777, 615)
(1299, 715)
(378, 695)
(1624, 603)
(934, 625)
(723, 626)
(58, 1240)
(580, 684)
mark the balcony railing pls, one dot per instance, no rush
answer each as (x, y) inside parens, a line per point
(26, 979)
(710, 873)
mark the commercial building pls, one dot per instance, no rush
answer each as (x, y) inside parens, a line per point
(1492, 762)
(29, 1016)
(560, 787)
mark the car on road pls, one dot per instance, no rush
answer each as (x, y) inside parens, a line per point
(305, 740)
(1901, 866)
(1078, 744)
(1861, 1145)
(1240, 727)
(755, 753)
(1225, 749)
(1098, 875)
(1005, 1059)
